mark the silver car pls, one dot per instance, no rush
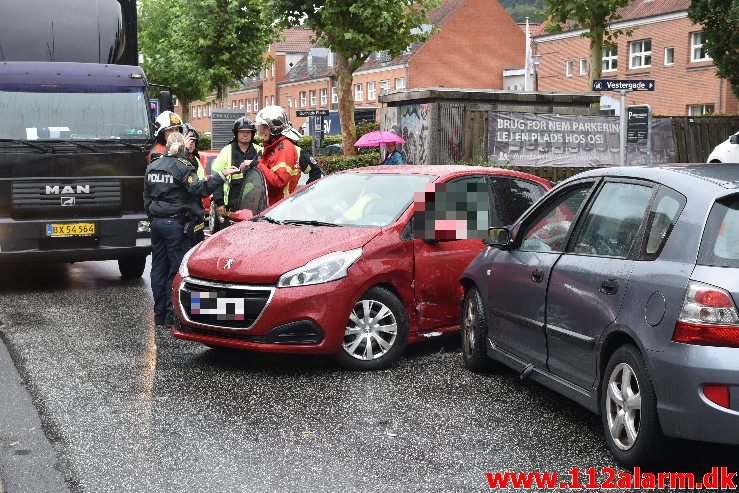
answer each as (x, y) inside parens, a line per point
(618, 289)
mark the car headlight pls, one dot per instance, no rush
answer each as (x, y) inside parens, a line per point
(323, 269)
(183, 265)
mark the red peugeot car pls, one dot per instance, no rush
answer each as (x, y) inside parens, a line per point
(345, 267)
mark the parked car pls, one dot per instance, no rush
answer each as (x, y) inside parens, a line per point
(726, 152)
(618, 290)
(335, 268)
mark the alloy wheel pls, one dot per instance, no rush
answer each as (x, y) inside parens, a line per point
(468, 326)
(371, 331)
(623, 406)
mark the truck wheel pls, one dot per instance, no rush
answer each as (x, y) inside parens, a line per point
(132, 267)
(629, 410)
(376, 333)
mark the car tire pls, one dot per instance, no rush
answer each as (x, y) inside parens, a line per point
(131, 267)
(376, 333)
(633, 434)
(474, 333)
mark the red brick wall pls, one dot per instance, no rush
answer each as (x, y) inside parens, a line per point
(677, 86)
(471, 50)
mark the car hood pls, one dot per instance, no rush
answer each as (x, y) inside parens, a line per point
(262, 252)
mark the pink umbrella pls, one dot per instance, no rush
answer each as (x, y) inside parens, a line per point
(378, 137)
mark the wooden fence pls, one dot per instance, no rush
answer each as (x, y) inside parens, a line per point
(696, 136)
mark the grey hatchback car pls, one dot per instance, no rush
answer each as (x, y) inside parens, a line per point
(618, 289)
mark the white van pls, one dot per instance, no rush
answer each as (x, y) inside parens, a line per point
(726, 152)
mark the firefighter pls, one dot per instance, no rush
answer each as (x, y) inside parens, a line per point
(241, 151)
(279, 161)
(166, 124)
(172, 193)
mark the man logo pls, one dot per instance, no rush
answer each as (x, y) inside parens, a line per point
(229, 263)
(68, 201)
(57, 189)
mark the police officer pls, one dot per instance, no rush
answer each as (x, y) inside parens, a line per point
(172, 195)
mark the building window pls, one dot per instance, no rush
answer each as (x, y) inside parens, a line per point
(640, 53)
(324, 97)
(233, 104)
(289, 101)
(241, 104)
(200, 112)
(256, 105)
(399, 83)
(610, 59)
(697, 51)
(248, 105)
(371, 93)
(583, 66)
(358, 92)
(699, 109)
(669, 56)
(313, 97)
(384, 87)
(568, 68)
(303, 99)
(334, 93)
(272, 99)
(210, 109)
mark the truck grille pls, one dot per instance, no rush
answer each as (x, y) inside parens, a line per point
(66, 195)
(224, 306)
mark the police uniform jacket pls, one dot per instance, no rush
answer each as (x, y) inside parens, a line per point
(172, 187)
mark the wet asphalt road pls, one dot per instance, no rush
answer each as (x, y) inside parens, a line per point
(123, 407)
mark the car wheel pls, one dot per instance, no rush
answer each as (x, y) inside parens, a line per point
(629, 410)
(376, 333)
(474, 333)
(131, 267)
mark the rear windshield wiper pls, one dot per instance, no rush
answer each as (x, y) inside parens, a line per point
(29, 144)
(311, 222)
(268, 219)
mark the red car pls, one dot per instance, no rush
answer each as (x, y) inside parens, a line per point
(342, 267)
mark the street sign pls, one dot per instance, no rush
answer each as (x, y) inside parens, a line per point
(304, 113)
(623, 85)
(637, 124)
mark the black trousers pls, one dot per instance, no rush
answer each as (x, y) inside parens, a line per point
(168, 245)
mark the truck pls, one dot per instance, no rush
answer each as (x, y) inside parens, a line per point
(74, 135)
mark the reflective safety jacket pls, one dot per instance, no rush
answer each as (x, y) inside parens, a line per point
(171, 187)
(279, 165)
(223, 161)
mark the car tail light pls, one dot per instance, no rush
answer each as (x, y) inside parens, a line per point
(718, 394)
(708, 317)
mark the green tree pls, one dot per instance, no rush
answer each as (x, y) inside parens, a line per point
(594, 16)
(162, 41)
(720, 21)
(227, 39)
(353, 30)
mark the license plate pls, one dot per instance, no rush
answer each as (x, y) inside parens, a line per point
(217, 305)
(70, 229)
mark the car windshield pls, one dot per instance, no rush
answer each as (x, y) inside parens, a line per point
(720, 244)
(352, 199)
(109, 113)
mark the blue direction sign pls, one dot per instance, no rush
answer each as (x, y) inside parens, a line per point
(623, 85)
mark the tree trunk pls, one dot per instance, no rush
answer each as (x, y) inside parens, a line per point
(185, 109)
(346, 104)
(596, 56)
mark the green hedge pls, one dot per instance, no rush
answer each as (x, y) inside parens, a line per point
(331, 164)
(204, 143)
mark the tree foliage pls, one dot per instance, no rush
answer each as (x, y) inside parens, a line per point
(353, 30)
(161, 40)
(594, 16)
(228, 39)
(720, 21)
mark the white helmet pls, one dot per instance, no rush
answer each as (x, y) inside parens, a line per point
(165, 120)
(275, 118)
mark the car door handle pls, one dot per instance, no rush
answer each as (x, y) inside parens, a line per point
(537, 275)
(609, 286)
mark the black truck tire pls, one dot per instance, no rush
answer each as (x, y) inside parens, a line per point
(132, 267)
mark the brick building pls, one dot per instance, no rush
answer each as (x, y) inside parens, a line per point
(664, 45)
(475, 41)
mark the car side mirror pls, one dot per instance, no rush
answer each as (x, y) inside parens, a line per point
(241, 215)
(499, 237)
(165, 101)
(734, 139)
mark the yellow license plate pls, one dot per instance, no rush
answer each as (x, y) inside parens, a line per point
(70, 229)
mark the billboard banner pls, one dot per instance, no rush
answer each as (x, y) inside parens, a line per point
(569, 140)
